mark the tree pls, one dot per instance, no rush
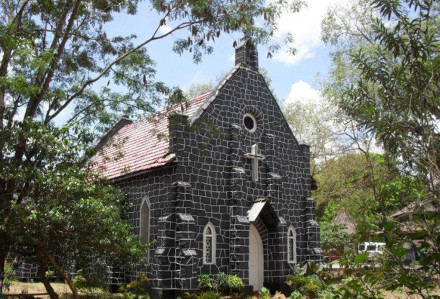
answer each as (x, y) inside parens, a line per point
(389, 80)
(385, 76)
(67, 215)
(52, 55)
(333, 135)
(197, 89)
(317, 125)
(334, 238)
(347, 183)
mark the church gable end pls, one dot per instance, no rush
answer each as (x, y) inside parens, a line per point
(230, 163)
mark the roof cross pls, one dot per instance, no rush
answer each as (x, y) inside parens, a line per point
(254, 157)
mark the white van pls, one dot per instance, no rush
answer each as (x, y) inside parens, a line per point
(372, 248)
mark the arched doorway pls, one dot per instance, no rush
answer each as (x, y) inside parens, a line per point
(256, 259)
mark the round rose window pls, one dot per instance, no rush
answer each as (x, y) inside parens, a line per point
(249, 122)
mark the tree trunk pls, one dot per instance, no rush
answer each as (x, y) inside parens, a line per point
(2, 271)
(42, 263)
(62, 274)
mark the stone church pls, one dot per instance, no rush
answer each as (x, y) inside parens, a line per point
(219, 185)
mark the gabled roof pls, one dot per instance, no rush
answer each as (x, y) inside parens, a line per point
(417, 207)
(343, 217)
(142, 145)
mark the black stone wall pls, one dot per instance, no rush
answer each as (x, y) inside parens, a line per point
(156, 186)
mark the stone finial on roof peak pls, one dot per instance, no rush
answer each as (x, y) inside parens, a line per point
(246, 53)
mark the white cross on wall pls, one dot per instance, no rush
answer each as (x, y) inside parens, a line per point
(254, 156)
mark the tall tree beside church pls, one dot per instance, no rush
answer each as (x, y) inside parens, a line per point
(386, 77)
(72, 213)
(319, 126)
(52, 55)
(346, 183)
(385, 57)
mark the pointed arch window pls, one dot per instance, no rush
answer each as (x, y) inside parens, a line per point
(209, 244)
(144, 230)
(291, 245)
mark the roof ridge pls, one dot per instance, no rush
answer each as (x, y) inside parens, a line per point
(172, 107)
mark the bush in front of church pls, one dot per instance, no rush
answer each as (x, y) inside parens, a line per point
(309, 286)
(205, 283)
(222, 284)
(307, 280)
(137, 288)
(235, 285)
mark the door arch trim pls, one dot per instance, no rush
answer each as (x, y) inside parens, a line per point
(256, 258)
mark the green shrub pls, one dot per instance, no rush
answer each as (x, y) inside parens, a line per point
(89, 282)
(235, 284)
(79, 281)
(306, 281)
(311, 289)
(210, 295)
(220, 283)
(9, 276)
(264, 293)
(138, 286)
(205, 283)
(295, 282)
(49, 274)
(296, 295)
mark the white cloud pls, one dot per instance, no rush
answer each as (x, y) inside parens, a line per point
(302, 53)
(305, 27)
(304, 93)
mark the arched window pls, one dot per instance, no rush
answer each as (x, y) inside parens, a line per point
(291, 245)
(209, 242)
(144, 231)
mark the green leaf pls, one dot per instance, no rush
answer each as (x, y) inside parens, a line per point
(361, 258)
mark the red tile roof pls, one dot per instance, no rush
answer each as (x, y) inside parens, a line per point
(141, 145)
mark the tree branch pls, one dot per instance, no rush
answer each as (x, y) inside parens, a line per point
(42, 264)
(61, 272)
(14, 22)
(31, 109)
(120, 58)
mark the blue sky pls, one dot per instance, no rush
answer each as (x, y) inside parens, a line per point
(293, 77)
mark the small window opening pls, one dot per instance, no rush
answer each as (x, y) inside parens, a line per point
(291, 245)
(144, 232)
(209, 244)
(249, 122)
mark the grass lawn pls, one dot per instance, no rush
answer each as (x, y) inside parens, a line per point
(401, 295)
(398, 294)
(63, 290)
(38, 288)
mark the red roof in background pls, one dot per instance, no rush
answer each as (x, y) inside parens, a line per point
(141, 145)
